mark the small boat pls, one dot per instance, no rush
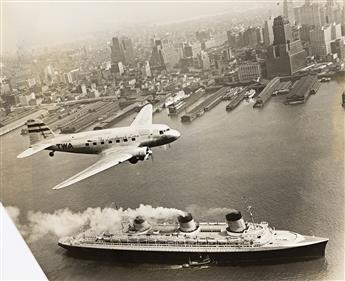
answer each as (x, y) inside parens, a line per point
(24, 132)
(325, 79)
(201, 261)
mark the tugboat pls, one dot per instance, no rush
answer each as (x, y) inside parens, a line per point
(200, 262)
(231, 242)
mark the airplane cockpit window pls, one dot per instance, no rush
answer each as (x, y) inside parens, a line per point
(161, 132)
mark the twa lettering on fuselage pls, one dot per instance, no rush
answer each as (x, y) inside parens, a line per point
(64, 146)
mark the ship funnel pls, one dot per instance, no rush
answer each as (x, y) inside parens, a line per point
(140, 224)
(187, 223)
(235, 222)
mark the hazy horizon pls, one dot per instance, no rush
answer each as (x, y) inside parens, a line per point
(32, 24)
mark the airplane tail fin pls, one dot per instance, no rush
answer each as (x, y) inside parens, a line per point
(144, 117)
(38, 131)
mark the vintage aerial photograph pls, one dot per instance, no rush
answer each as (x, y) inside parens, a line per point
(175, 140)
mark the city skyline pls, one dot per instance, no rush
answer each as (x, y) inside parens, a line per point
(38, 24)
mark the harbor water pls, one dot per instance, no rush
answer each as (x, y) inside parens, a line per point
(287, 162)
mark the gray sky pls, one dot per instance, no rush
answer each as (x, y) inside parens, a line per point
(34, 23)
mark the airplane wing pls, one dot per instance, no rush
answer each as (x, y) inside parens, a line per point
(34, 149)
(144, 117)
(108, 159)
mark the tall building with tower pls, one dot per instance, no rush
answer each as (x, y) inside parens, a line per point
(286, 56)
(268, 32)
(288, 11)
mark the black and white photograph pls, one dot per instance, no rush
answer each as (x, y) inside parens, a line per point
(172, 140)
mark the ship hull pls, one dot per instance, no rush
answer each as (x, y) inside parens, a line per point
(271, 256)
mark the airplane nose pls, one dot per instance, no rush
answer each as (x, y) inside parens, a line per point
(175, 134)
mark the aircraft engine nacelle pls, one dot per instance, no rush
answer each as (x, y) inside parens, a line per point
(142, 153)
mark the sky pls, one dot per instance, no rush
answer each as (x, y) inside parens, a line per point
(28, 23)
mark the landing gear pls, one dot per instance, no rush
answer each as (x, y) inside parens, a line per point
(51, 153)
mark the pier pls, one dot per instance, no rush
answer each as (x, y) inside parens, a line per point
(266, 93)
(88, 115)
(177, 108)
(302, 89)
(282, 88)
(120, 115)
(211, 101)
(237, 99)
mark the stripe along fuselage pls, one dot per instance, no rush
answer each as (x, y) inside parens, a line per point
(95, 142)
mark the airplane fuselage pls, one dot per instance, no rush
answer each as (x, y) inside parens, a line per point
(94, 142)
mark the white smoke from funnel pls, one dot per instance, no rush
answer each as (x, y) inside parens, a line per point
(64, 222)
(202, 213)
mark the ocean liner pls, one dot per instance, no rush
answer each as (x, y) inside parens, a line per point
(233, 241)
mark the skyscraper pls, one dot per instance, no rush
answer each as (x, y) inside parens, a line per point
(232, 39)
(281, 31)
(122, 50)
(342, 22)
(320, 41)
(164, 55)
(268, 32)
(338, 47)
(117, 54)
(310, 14)
(288, 11)
(250, 37)
(128, 50)
(286, 56)
(336, 31)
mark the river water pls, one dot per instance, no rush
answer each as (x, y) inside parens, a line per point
(287, 162)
